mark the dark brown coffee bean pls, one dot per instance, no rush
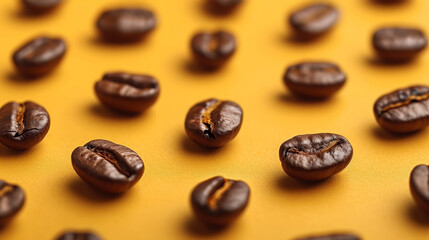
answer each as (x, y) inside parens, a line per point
(219, 201)
(126, 92)
(78, 236)
(315, 157)
(332, 237)
(398, 44)
(12, 200)
(213, 50)
(314, 20)
(213, 123)
(314, 79)
(419, 186)
(403, 110)
(224, 5)
(107, 166)
(126, 24)
(40, 6)
(23, 125)
(39, 56)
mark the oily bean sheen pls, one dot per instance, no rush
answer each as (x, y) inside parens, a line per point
(219, 201)
(398, 44)
(39, 56)
(419, 186)
(314, 79)
(107, 166)
(332, 237)
(225, 5)
(126, 24)
(213, 123)
(78, 236)
(315, 157)
(127, 92)
(404, 110)
(40, 6)
(213, 50)
(314, 20)
(12, 199)
(23, 125)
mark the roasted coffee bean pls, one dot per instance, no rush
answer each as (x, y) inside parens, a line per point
(419, 186)
(40, 6)
(12, 200)
(315, 157)
(213, 50)
(332, 237)
(404, 110)
(224, 5)
(213, 123)
(23, 125)
(219, 201)
(314, 79)
(107, 166)
(126, 92)
(398, 44)
(126, 24)
(78, 236)
(39, 56)
(314, 20)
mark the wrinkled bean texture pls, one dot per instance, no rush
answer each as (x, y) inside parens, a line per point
(78, 236)
(332, 237)
(419, 186)
(40, 6)
(212, 50)
(12, 199)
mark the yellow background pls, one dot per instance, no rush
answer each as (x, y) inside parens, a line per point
(370, 197)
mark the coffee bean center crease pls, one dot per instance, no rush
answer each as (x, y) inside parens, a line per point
(111, 158)
(328, 148)
(409, 100)
(217, 195)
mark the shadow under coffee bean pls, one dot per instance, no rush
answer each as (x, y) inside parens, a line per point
(336, 236)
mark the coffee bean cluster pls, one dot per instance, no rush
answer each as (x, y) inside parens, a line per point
(218, 201)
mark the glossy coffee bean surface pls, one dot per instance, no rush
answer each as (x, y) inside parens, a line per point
(212, 50)
(213, 123)
(23, 125)
(12, 199)
(332, 237)
(404, 110)
(219, 201)
(107, 166)
(125, 92)
(78, 236)
(126, 24)
(315, 157)
(419, 186)
(39, 56)
(314, 20)
(40, 6)
(314, 79)
(399, 44)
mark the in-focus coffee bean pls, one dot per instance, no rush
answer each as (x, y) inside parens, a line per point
(224, 5)
(213, 123)
(315, 157)
(126, 24)
(40, 6)
(39, 56)
(338, 236)
(12, 199)
(314, 79)
(23, 125)
(398, 44)
(219, 201)
(73, 235)
(314, 20)
(125, 92)
(212, 50)
(404, 110)
(107, 166)
(419, 186)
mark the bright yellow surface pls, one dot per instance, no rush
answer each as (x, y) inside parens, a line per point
(370, 197)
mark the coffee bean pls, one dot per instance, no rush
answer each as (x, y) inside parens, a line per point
(315, 157)
(224, 5)
(332, 237)
(213, 123)
(126, 24)
(39, 56)
(403, 110)
(40, 6)
(107, 166)
(23, 125)
(12, 200)
(78, 236)
(419, 186)
(127, 92)
(314, 20)
(219, 201)
(213, 50)
(314, 79)
(398, 44)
